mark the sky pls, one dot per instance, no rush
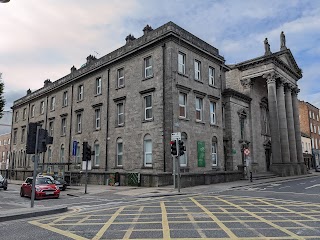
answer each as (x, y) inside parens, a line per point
(43, 39)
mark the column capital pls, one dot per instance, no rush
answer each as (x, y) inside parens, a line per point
(295, 90)
(271, 77)
(247, 82)
(288, 87)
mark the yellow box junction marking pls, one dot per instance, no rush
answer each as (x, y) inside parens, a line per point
(165, 224)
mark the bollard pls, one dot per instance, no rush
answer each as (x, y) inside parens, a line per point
(250, 176)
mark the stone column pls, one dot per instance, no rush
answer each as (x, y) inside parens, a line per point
(274, 119)
(295, 107)
(290, 123)
(283, 123)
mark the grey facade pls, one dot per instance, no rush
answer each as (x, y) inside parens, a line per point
(126, 105)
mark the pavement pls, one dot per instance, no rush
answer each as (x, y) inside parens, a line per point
(21, 212)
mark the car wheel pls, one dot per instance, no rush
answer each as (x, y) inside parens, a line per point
(21, 193)
(5, 188)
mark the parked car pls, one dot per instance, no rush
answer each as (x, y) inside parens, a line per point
(62, 184)
(317, 168)
(3, 182)
(45, 188)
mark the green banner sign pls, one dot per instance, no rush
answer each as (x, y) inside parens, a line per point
(201, 154)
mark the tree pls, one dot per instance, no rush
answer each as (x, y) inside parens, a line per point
(2, 100)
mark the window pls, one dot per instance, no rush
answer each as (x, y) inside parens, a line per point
(49, 154)
(65, 99)
(317, 117)
(52, 103)
(96, 154)
(148, 67)
(212, 112)
(182, 105)
(223, 117)
(24, 114)
(78, 154)
(51, 128)
(316, 144)
(184, 157)
(182, 63)
(313, 115)
(214, 157)
(79, 121)
(311, 128)
(310, 114)
(42, 107)
(197, 68)
(198, 109)
(97, 118)
(4, 142)
(16, 116)
(120, 77)
(80, 93)
(23, 132)
(0, 143)
(119, 152)
(148, 107)
(14, 137)
(147, 149)
(314, 129)
(62, 154)
(32, 110)
(8, 141)
(319, 130)
(98, 86)
(63, 126)
(120, 110)
(242, 131)
(211, 76)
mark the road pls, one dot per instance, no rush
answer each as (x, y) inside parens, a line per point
(278, 210)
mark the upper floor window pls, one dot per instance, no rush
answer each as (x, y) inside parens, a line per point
(98, 85)
(62, 154)
(0, 143)
(148, 107)
(120, 110)
(199, 107)
(211, 76)
(147, 150)
(119, 152)
(80, 92)
(214, 157)
(120, 77)
(52, 103)
(312, 141)
(319, 130)
(97, 118)
(23, 132)
(5, 142)
(148, 72)
(212, 112)
(311, 127)
(24, 114)
(15, 136)
(49, 154)
(42, 107)
(317, 117)
(315, 129)
(65, 99)
(32, 110)
(79, 122)
(96, 154)
(78, 154)
(8, 141)
(16, 116)
(310, 114)
(197, 70)
(51, 128)
(63, 126)
(182, 105)
(313, 115)
(181, 63)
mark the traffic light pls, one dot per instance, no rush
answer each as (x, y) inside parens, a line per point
(182, 148)
(31, 138)
(174, 151)
(43, 140)
(86, 151)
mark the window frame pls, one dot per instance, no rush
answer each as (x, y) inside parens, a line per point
(214, 152)
(80, 92)
(119, 154)
(32, 110)
(24, 114)
(79, 123)
(98, 86)
(213, 119)
(50, 132)
(200, 110)
(212, 79)
(120, 78)
(16, 116)
(65, 99)
(52, 103)
(147, 138)
(197, 70)
(119, 114)
(23, 133)
(63, 126)
(182, 64)
(183, 105)
(149, 67)
(97, 118)
(42, 107)
(96, 154)
(62, 152)
(147, 108)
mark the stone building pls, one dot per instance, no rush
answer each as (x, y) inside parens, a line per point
(307, 151)
(127, 103)
(262, 113)
(310, 126)
(4, 151)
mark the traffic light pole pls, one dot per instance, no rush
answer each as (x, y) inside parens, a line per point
(85, 187)
(35, 167)
(178, 172)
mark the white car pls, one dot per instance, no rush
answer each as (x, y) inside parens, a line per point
(60, 183)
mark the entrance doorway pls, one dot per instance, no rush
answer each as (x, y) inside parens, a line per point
(268, 154)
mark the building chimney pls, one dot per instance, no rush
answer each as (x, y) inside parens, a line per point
(147, 29)
(73, 69)
(130, 38)
(28, 91)
(90, 58)
(47, 82)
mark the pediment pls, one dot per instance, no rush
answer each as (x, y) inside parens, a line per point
(287, 58)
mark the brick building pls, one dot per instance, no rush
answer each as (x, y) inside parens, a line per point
(127, 103)
(4, 151)
(310, 126)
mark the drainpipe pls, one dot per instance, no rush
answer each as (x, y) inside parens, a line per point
(164, 106)
(70, 132)
(107, 127)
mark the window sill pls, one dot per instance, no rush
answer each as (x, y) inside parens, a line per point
(183, 75)
(118, 167)
(147, 78)
(198, 80)
(213, 86)
(214, 125)
(95, 167)
(200, 121)
(98, 94)
(64, 106)
(119, 87)
(120, 126)
(62, 135)
(97, 129)
(147, 120)
(146, 167)
(80, 100)
(78, 133)
(184, 119)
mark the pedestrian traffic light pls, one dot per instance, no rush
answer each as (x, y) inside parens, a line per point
(174, 151)
(86, 151)
(31, 138)
(182, 148)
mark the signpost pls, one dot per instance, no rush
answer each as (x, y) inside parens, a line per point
(246, 152)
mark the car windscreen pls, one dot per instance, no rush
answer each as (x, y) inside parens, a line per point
(41, 181)
(1, 178)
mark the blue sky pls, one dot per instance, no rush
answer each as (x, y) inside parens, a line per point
(43, 39)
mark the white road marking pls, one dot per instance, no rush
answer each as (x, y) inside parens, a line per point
(284, 187)
(316, 185)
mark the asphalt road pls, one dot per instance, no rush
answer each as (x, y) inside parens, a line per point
(278, 210)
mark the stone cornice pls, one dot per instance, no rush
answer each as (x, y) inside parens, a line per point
(166, 30)
(233, 93)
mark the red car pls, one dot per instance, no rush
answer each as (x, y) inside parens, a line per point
(45, 188)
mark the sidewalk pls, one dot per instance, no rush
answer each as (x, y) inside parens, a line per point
(140, 192)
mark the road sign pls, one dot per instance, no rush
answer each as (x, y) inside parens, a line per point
(175, 136)
(246, 151)
(74, 148)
